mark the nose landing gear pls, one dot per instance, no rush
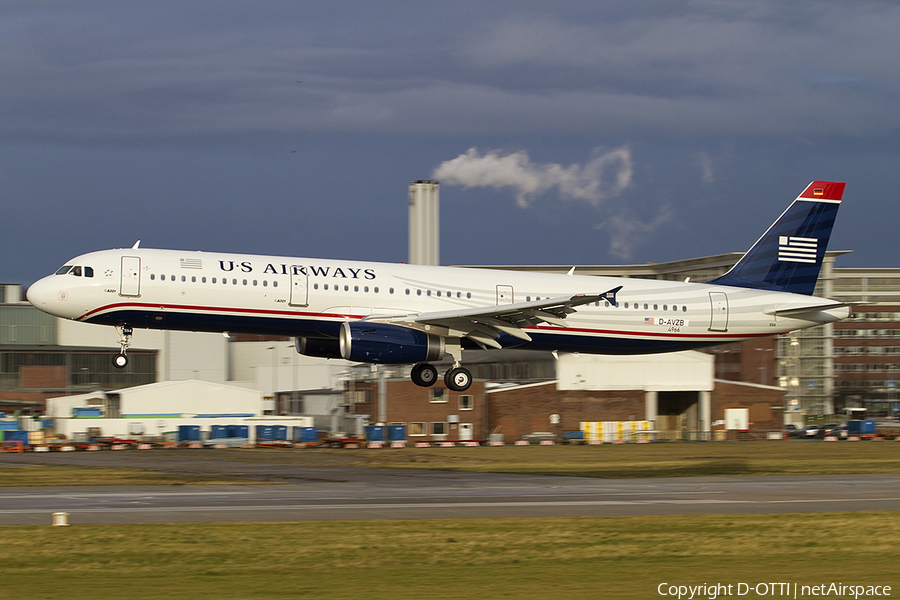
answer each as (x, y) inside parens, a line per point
(120, 361)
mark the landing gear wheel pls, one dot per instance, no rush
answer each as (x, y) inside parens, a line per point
(424, 375)
(458, 379)
(120, 361)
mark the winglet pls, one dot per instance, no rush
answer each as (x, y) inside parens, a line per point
(610, 296)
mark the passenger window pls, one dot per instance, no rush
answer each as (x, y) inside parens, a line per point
(274, 284)
(173, 278)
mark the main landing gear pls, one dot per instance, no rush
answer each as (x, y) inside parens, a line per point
(457, 378)
(120, 360)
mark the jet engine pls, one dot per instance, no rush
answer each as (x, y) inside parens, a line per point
(388, 344)
(318, 347)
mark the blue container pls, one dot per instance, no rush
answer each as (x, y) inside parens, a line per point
(265, 433)
(573, 435)
(238, 431)
(9, 425)
(86, 412)
(188, 433)
(858, 427)
(280, 432)
(304, 434)
(218, 431)
(375, 433)
(397, 433)
(16, 436)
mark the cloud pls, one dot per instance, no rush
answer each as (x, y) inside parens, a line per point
(706, 169)
(604, 176)
(627, 232)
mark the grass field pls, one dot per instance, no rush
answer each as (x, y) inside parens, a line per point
(590, 557)
(593, 557)
(610, 461)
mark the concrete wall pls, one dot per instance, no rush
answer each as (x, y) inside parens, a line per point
(678, 371)
(182, 354)
(189, 397)
(278, 367)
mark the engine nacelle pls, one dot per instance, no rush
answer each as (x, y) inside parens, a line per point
(388, 344)
(318, 347)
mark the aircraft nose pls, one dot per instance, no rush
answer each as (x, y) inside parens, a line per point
(40, 294)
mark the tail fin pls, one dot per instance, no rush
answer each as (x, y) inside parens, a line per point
(789, 255)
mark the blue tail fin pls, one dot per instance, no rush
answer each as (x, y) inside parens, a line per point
(788, 256)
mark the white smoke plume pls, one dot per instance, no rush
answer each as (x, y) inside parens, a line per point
(605, 175)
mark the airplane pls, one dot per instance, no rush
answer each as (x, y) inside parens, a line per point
(385, 313)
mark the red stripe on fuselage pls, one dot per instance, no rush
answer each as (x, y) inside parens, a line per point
(214, 309)
(544, 329)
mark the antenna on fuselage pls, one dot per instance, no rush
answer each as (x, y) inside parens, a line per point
(137, 245)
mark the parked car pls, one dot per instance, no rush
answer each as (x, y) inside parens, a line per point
(811, 432)
(827, 428)
(838, 432)
(791, 430)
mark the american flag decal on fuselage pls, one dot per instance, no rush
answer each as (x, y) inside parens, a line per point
(797, 249)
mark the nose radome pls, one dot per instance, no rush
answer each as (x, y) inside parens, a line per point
(38, 293)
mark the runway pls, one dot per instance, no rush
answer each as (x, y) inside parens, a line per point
(355, 493)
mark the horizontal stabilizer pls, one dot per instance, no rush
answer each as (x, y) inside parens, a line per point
(819, 313)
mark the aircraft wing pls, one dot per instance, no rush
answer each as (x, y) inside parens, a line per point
(483, 325)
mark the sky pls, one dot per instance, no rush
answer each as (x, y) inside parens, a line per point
(561, 133)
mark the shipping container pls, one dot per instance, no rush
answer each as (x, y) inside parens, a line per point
(238, 431)
(860, 427)
(397, 433)
(304, 435)
(375, 433)
(188, 433)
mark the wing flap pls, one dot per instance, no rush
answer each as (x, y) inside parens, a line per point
(483, 325)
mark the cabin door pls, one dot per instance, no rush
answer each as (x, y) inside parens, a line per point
(504, 294)
(719, 306)
(299, 288)
(130, 281)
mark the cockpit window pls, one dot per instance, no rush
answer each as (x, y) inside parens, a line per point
(64, 270)
(76, 271)
(89, 271)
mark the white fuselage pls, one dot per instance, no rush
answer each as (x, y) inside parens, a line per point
(305, 297)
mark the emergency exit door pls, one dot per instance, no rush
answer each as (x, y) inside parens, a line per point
(504, 294)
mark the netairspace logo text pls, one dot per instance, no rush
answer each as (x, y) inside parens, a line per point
(772, 590)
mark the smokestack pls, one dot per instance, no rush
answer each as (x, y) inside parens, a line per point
(424, 220)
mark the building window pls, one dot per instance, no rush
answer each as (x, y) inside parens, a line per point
(437, 395)
(439, 428)
(466, 402)
(416, 429)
